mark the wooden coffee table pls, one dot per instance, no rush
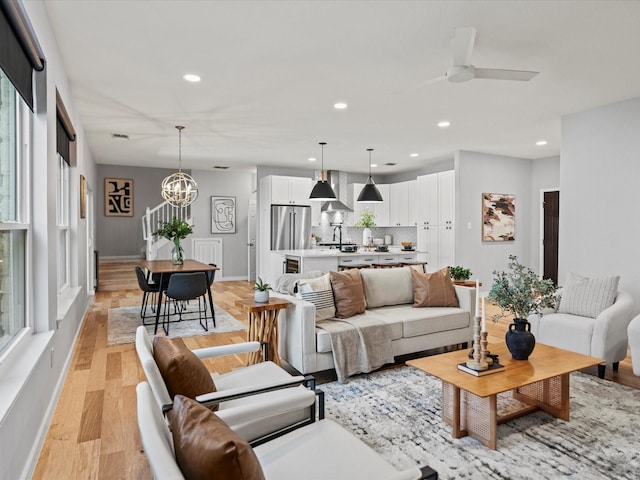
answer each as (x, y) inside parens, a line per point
(470, 403)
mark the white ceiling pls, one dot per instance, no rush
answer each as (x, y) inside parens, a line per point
(271, 72)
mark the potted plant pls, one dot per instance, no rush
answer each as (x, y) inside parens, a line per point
(261, 289)
(459, 274)
(175, 231)
(367, 220)
(520, 292)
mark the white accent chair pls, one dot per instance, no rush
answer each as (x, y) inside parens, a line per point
(602, 337)
(634, 342)
(322, 450)
(241, 393)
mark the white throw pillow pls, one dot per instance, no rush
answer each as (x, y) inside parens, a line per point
(318, 291)
(287, 282)
(588, 297)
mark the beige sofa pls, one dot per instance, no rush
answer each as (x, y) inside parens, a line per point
(389, 297)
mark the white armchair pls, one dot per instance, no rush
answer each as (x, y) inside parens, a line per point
(602, 337)
(241, 393)
(634, 342)
(319, 451)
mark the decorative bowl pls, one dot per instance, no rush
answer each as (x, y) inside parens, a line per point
(406, 244)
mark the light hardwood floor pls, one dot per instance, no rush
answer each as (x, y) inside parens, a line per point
(94, 433)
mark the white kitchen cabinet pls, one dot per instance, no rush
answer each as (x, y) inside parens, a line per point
(446, 198)
(290, 190)
(399, 204)
(428, 199)
(412, 203)
(428, 246)
(446, 246)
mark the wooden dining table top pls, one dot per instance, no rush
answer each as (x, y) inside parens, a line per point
(166, 266)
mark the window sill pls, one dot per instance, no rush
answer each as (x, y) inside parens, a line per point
(65, 300)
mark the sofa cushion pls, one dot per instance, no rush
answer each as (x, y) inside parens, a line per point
(287, 283)
(587, 297)
(206, 447)
(318, 291)
(182, 371)
(424, 321)
(348, 293)
(433, 289)
(387, 286)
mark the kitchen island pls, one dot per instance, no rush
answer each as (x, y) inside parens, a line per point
(328, 259)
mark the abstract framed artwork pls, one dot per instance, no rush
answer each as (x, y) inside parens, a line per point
(118, 197)
(498, 217)
(223, 214)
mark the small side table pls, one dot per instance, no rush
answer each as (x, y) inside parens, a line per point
(263, 326)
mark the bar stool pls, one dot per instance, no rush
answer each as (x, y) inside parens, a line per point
(420, 266)
(352, 266)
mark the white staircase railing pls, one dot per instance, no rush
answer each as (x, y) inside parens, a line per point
(154, 218)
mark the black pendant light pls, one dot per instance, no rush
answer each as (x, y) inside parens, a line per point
(322, 191)
(370, 193)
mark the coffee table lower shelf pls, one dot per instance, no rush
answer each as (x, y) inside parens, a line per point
(477, 417)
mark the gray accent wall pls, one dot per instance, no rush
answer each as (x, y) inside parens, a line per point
(122, 236)
(478, 173)
(599, 173)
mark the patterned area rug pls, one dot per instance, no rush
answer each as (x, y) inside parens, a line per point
(397, 413)
(123, 322)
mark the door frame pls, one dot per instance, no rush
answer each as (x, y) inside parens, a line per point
(541, 229)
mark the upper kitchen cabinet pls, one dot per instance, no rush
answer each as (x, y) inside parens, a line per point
(403, 204)
(446, 198)
(436, 198)
(290, 190)
(412, 195)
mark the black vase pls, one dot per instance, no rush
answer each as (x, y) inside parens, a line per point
(520, 340)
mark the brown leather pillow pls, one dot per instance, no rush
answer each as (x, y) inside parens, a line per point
(433, 289)
(183, 372)
(348, 293)
(206, 447)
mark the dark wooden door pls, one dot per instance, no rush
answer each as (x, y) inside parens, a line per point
(550, 234)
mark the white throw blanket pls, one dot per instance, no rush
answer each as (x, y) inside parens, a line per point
(359, 344)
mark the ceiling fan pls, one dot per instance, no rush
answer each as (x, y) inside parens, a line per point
(462, 70)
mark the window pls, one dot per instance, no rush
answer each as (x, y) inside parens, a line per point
(62, 221)
(15, 122)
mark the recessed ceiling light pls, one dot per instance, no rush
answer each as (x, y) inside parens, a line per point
(312, 159)
(413, 155)
(444, 124)
(191, 77)
(541, 142)
(374, 165)
(340, 106)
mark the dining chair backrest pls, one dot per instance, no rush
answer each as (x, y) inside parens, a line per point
(211, 273)
(142, 281)
(187, 286)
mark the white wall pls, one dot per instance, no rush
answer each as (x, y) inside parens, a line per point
(478, 173)
(33, 372)
(599, 175)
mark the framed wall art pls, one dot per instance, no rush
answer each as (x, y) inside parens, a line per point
(118, 197)
(223, 214)
(83, 197)
(498, 217)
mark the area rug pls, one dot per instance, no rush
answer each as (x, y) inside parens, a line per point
(397, 413)
(123, 322)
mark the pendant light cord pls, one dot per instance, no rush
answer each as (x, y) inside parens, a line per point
(369, 150)
(180, 128)
(322, 144)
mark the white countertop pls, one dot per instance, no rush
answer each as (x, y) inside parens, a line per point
(334, 252)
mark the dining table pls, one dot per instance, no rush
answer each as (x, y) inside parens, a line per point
(164, 268)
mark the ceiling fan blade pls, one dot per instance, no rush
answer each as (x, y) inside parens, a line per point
(463, 42)
(498, 74)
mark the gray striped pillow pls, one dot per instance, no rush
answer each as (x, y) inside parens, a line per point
(588, 297)
(318, 291)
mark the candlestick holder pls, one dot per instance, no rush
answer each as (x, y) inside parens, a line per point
(479, 361)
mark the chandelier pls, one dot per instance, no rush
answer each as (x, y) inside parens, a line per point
(179, 189)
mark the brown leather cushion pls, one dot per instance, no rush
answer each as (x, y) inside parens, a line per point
(348, 293)
(183, 372)
(433, 289)
(206, 447)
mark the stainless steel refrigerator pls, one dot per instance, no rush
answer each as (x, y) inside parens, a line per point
(290, 227)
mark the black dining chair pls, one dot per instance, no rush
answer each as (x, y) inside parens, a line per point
(181, 288)
(147, 290)
(210, 277)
